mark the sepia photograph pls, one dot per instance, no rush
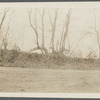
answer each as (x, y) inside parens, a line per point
(50, 47)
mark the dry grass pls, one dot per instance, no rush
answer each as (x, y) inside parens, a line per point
(14, 79)
(13, 58)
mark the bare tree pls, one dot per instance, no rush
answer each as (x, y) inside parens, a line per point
(64, 35)
(35, 28)
(1, 23)
(97, 34)
(5, 36)
(78, 43)
(91, 54)
(53, 25)
(43, 30)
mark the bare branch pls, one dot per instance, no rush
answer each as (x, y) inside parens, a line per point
(50, 19)
(5, 12)
(53, 31)
(34, 28)
(97, 34)
(64, 35)
(77, 44)
(91, 53)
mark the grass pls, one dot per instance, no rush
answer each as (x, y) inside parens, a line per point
(13, 58)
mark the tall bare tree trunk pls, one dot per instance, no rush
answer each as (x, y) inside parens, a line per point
(53, 31)
(97, 34)
(43, 30)
(5, 37)
(1, 23)
(34, 27)
(64, 35)
(42, 18)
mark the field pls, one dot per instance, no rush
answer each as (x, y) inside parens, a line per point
(48, 80)
(51, 73)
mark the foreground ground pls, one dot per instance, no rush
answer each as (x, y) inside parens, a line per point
(48, 80)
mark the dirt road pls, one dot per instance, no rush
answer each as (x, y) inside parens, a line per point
(48, 80)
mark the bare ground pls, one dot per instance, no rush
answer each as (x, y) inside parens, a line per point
(48, 80)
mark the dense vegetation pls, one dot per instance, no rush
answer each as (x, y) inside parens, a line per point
(14, 58)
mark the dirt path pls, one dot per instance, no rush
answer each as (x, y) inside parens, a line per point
(48, 80)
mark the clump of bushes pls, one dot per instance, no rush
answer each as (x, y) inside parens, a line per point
(14, 58)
